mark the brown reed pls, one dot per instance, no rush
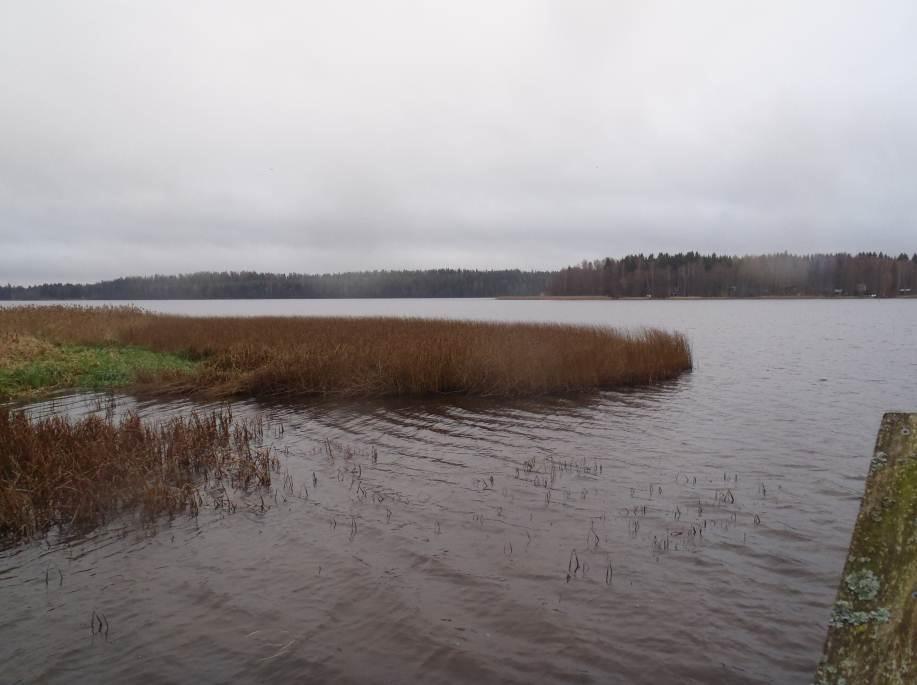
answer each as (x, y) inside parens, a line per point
(366, 357)
(77, 473)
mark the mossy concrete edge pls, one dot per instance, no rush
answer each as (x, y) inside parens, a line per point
(872, 636)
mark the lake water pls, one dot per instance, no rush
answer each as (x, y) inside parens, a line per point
(709, 518)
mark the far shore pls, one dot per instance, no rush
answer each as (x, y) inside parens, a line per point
(698, 297)
(90, 301)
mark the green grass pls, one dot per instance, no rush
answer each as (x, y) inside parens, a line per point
(94, 368)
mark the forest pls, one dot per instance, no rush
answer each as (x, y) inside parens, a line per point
(254, 285)
(687, 274)
(692, 274)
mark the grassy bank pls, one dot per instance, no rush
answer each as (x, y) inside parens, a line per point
(30, 365)
(72, 474)
(360, 357)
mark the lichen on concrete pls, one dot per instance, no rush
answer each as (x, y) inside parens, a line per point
(843, 614)
(863, 584)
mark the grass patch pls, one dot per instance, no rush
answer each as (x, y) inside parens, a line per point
(29, 366)
(279, 357)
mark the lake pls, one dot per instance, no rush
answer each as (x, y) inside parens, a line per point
(690, 532)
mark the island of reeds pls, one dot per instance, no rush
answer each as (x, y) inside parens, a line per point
(53, 347)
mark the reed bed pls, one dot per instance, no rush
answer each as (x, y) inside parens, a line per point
(367, 357)
(78, 473)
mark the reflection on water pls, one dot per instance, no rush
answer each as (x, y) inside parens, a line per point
(693, 532)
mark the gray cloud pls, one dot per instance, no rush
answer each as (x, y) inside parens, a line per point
(174, 136)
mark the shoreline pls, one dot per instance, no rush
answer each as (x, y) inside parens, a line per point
(508, 298)
(681, 298)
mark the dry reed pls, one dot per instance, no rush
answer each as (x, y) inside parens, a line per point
(67, 473)
(359, 357)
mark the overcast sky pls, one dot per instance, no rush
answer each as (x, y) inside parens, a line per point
(140, 137)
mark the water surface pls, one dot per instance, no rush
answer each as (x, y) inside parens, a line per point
(709, 518)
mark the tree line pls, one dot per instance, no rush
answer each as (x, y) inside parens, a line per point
(255, 285)
(691, 274)
(686, 274)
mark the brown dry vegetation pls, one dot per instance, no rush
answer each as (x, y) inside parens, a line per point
(290, 356)
(78, 473)
(17, 349)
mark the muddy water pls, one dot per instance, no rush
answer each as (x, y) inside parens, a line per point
(694, 532)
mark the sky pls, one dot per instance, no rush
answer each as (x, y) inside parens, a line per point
(169, 137)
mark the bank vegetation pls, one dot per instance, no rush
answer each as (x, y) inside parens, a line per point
(278, 357)
(65, 474)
